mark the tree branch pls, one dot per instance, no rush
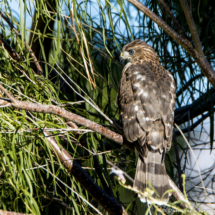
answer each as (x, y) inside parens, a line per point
(10, 49)
(66, 158)
(40, 108)
(192, 27)
(109, 203)
(116, 167)
(11, 213)
(200, 59)
(187, 85)
(194, 125)
(101, 174)
(26, 44)
(177, 194)
(163, 4)
(198, 107)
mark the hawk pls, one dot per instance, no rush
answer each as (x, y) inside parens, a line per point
(146, 102)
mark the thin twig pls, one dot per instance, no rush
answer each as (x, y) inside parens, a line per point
(26, 44)
(173, 18)
(71, 189)
(40, 108)
(81, 51)
(109, 203)
(195, 160)
(63, 154)
(200, 59)
(89, 102)
(192, 27)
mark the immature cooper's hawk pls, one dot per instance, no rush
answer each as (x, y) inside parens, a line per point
(146, 101)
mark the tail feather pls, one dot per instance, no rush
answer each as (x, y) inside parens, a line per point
(151, 169)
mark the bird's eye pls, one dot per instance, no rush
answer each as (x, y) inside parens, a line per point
(131, 51)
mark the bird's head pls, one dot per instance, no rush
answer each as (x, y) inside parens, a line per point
(138, 50)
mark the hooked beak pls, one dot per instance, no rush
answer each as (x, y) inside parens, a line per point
(121, 58)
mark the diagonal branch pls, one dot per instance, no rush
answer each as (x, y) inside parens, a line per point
(10, 49)
(183, 42)
(102, 176)
(192, 27)
(40, 108)
(26, 44)
(117, 168)
(109, 203)
(65, 157)
(200, 59)
(198, 107)
(194, 125)
(173, 19)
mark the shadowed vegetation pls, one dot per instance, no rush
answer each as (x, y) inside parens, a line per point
(69, 58)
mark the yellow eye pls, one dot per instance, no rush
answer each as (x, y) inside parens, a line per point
(121, 54)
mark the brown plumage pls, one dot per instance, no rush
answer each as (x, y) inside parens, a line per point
(146, 101)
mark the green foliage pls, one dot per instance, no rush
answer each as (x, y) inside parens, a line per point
(27, 163)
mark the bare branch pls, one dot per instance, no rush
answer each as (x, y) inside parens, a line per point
(10, 49)
(65, 157)
(192, 26)
(177, 194)
(198, 107)
(11, 213)
(183, 42)
(206, 68)
(194, 125)
(173, 19)
(26, 44)
(109, 203)
(40, 108)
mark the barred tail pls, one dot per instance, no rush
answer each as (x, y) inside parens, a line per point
(153, 170)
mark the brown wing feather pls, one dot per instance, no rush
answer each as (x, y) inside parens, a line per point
(147, 93)
(146, 102)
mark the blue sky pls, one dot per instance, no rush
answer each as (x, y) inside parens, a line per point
(205, 158)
